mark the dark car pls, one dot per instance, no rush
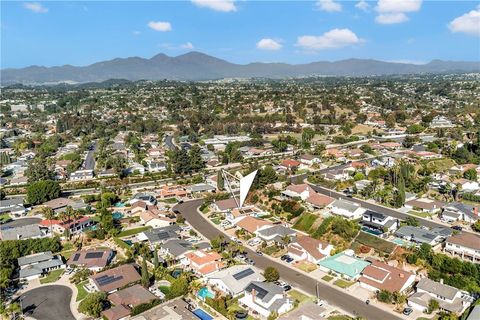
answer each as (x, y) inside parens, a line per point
(284, 257)
(289, 259)
(459, 228)
(260, 253)
(367, 302)
(176, 211)
(407, 311)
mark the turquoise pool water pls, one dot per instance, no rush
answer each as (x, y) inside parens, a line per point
(120, 204)
(202, 315)
(204, 293)
(117, 215)
(371, 231)
(402, 242)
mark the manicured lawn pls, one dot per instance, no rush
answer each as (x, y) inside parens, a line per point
(52, 276)
(375, 242)
(343, 283)
(306, 266)
(66, 254)
(300, 297)
(82, 293)
(419, 214)
(216, 221)
(130, 232)
(170, 200)
(327, 278)
(4, 218)
(305, 222)
(164, 289)
(340, 317)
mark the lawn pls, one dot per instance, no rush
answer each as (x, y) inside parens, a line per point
(216, 221)
(52, 276)
(170, 200)
(327, 278)
(300, 297)
(343, 283)
(66, 254)
(306, 266)
(340, 317)
(271, 250)
(82, 293)
(419, 214)
(4, 218)
(130, 232)
(375, 242)
(165, 290)
(305, 222)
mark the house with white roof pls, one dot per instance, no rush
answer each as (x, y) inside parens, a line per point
(347, 209)
(266, 298)
(233, 281)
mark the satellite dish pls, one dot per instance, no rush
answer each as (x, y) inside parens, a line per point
(245, 185)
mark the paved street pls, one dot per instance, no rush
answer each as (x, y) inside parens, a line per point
(334, 296)
(48, 303)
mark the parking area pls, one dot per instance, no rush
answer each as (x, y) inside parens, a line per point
(47, 303)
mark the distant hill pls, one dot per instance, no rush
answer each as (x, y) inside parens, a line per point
(199, 66)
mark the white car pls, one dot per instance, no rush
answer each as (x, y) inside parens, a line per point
(254, 242)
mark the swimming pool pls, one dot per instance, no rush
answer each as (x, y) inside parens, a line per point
(372, 231)
(119, 204)
(202, 315)
(204, 293)
(117, 215)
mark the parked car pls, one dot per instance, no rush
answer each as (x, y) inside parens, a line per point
(407, 311)
(260, 253)
(284, 257)
(289, 259)
(459, 228)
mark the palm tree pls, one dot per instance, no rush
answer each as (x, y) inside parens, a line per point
(49, 214)
(65, 217)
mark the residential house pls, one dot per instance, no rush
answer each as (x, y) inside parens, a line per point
(344, 264)
(266, 298)
(467, 185)
(464, 245)
(160, 235)
(155, 166)
(81, 175)
(60, 205)
(309, 159)
(449, 298)
(347, 209)
(253, 225)
(73, 225)
(224, 205)
(458, 211)
(441, 122)
(276, 233)
(125, 300)
(201, 188)
(237, 214)
(35, 265)
(92, 259)
(379, 222)
(170, 192)
(420, 235)
(306, 248)
(306, 311)
(148, 198)
(425, 205)
(153, 219)
(233, 280)
(13, 205)
(112, 279)
(381, 276)
(289, 164)
(203, 262)
(29, 231)
(336, 175)
(177, 248)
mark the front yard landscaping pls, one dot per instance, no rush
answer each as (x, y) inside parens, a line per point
(52, 276)
(305, 222)
(306, 266)
(343, 283)
(374, 242)
(82, 293)
(131, 232)
(327, 278)
(298, 296)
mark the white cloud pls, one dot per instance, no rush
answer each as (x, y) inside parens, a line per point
(329, 5)
(468, 23)
(391, 18)
(335, 38)
(187, 45)
(35, 7)
(393, 11)
(217, 5)
(396, 6)
(161, 26)
(362, 5)
(269, 44)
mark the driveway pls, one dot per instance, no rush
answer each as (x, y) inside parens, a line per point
(297, 279)
(48, 303)
(21, 222)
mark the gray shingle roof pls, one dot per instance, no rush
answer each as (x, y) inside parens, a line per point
(437, 288)
(278, 230)
(238, 277)
(264, 291)
(21, 232)
(345, 205)
(35, 258)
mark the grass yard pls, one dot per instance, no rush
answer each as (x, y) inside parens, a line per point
(419, 214)
(300, 297)
(4, 218)
(343, 283)
(216, 220)
(340, 317)
(271, 250)
(327, 278)
(306, 266)
(52, 276)
(375, 242)
(82, 293)
(305, 222)
(131, 232)
(170, 200)
(66, 254)
(165, 289)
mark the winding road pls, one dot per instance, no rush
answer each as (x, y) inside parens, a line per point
(336, 297)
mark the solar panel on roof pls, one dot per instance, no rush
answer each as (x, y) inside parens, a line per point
(243, 274)
(259, 292)
(76, 256)
(108, 280)
(93, 255)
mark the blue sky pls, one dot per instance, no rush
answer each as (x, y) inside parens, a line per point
(52, 33)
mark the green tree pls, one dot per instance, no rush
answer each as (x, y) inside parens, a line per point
(145, 275)
(42, 191)
(178, 287)
(470, 174)
(195, 158)
(38, 170)
(220, 181)
(155, 258)
(273, 315)
(411, 221)
(432, 306)
(49, 214)
(271, 274)
(415, 128)
(93, 304)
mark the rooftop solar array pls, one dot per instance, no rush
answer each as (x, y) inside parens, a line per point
(106, 279)
(93, 255)
(259, 292)
(242, 274)
(76, 256)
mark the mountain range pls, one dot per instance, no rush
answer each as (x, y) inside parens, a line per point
(198, 66)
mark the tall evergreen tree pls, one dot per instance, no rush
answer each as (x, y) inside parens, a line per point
(220, 181)
(155, 258)
(145, 276)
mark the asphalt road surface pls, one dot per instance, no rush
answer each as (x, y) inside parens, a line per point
(296, 279)
(48, 303)
(169, 142)
(21, 222)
